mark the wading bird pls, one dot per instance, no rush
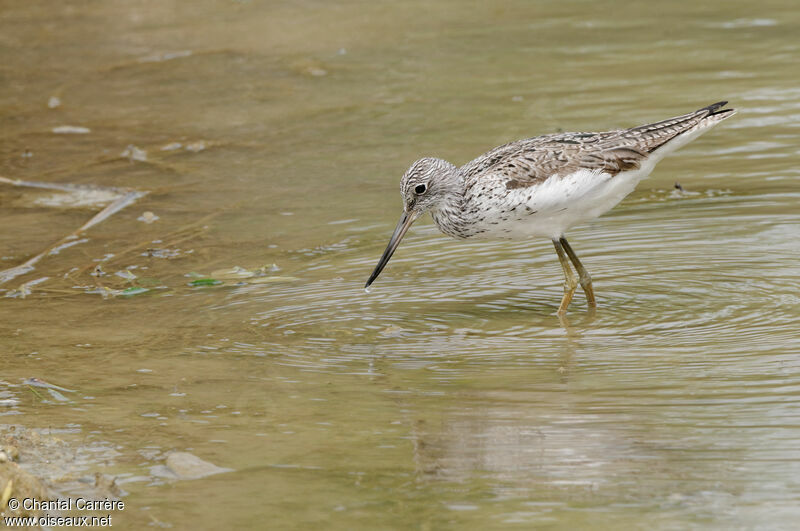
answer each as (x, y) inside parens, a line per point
(542, 186)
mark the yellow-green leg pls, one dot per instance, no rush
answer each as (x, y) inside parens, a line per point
(583, 275)
(570, 282)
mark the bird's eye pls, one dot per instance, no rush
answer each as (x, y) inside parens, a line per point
(420, 189)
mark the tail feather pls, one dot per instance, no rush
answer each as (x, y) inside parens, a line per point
(715, 111)
(714, 106)
(676, 132)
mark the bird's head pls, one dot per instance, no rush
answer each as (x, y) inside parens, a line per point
(427, 185)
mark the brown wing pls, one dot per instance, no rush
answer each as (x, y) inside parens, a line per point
(531, 161)
(528, 162)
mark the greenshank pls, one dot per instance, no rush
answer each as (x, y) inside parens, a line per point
(542, 186)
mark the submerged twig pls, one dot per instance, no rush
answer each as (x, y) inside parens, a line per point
(182, 234)
(129, 196)
(34, 391)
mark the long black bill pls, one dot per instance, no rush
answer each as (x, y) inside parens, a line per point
(402, 227)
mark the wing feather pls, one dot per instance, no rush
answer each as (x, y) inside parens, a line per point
(531, 161)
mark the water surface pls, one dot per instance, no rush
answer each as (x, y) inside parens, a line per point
(451, 396)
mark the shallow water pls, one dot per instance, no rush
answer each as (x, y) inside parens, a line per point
(451, 396)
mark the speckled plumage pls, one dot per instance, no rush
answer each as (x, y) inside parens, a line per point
(519, 189)
(542, 186)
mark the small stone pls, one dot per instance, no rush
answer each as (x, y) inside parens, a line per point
(71, 130)
(134, 153)
(127, 275)
(147, 217)
(196, 147)
(391, 331)
(12, 452)
(54, 102)
(188, 466)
